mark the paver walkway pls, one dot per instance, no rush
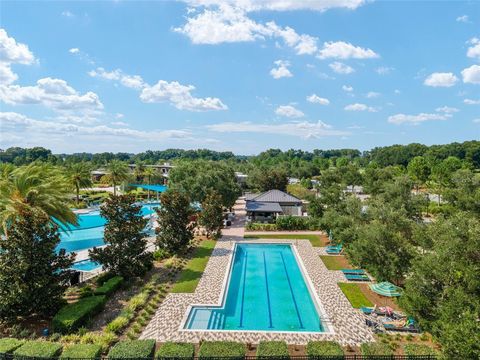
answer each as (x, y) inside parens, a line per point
(347, 325)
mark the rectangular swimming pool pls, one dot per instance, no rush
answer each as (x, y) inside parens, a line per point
(266, 292)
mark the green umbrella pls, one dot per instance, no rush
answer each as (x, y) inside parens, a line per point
(386, 289)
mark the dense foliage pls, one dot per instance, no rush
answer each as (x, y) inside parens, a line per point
(33, 275)
(200, 178)
(275, 349)
(124, 234)
(73, 316)
(134, 349)
(211, 216)
(175, 226)
(176, 350)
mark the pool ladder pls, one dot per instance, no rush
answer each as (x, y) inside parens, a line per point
(217, 320)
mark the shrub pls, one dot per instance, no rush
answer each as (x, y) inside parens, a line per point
(8, 345)
(109, 286)
(102, 278)
(374, 349)
(117, 324)
(260, 227)
(297, 223)
(329, 348)
(268, 349)
(132, 349)
(230, 349)
(105, 340)
(161, 254)
(44, 349)
(72, 316)
(82, 351)
(417, 349)
(172, 350)
(85, 291)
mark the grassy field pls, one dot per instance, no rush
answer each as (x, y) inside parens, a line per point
(315, 240)
(355, 295)
(335, 262)
(191, 274)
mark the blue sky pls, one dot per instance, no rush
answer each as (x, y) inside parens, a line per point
(238, 75)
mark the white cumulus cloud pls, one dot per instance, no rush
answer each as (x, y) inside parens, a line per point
(344, 50)
(359, 107)
(341, 68)
(372, 94)
(447, 109)
(347, 88)
(471, 102)
(317, 100)
(471, 74)
(74, 50)
(12, 52)
(281, 69)
(474, 50)
(463, 18)
(284, 5)
(439, 79)
(289, 111)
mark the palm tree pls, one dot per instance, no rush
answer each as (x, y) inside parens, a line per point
(78, 175)
(118, 172)
(36, 186)
(148, 173)
(139, 170)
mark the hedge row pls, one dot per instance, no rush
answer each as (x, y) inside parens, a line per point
(145, 349)
(267, 349)
(109, 286)
(138, 349)
(73, 316)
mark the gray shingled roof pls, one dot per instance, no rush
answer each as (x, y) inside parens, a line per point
(258, 206)
(276, 196)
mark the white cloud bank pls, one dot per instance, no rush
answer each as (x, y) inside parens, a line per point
(173, 92)
(474, 50)
(441, 80)
(344, 50)
(341, 68)
(303, 129)
(471, 74)
(284, 5)
(416, 119)
(12, 52)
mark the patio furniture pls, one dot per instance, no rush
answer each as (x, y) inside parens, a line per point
(353, 271)
(386, 289)
(357, 277)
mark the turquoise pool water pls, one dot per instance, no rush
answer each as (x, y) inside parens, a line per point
(266, 292)
(89, 232)
(85, 265)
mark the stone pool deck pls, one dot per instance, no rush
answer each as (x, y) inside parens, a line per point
(346, 323)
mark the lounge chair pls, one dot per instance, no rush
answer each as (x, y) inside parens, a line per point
(357, 277)
(334, 249)
(405, 325)
(354, 271)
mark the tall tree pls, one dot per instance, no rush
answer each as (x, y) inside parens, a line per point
(199, 178)
(35, 186)
(175, 226)
(125, 253)
(78, 175)
(419, 170)
(33, 276)
(443, 289)
(117, 173)
(211, 216)
(268, 179)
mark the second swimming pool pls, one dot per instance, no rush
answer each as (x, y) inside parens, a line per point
(266, 291)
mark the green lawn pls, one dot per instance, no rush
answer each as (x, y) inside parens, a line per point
(331, 262)
(355, 295)
(314, 239)
(191, 274)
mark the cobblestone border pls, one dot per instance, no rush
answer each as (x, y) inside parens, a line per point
(347, 323)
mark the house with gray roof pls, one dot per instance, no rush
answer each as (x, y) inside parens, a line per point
(265, 207)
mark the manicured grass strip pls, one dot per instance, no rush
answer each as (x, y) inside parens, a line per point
(412, 350)
(82, 351)
(134, 349)
(272, 349)
(176, 350)
(315, 240)
(42, 349)
(331, 262)
(324, 348)
(232, 350)
(8, 345)
(191, 274)
(355, 295)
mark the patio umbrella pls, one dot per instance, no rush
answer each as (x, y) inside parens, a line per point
(386, 289)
